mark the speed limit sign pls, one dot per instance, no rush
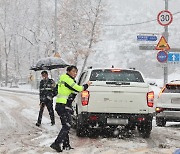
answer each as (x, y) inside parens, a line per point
(164, 18)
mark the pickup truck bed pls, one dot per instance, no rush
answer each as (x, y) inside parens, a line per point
(116, 97)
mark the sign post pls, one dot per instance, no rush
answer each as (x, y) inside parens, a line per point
(165, 18)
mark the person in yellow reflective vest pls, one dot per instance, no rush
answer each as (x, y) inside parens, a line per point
(66, 87)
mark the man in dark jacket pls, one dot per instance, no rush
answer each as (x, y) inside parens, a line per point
(46, 93)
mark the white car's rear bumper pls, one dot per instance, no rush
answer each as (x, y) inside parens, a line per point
(169, 115)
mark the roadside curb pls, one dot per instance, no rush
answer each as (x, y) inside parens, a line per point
(17, 91)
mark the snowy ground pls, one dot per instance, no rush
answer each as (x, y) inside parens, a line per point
(18, 133)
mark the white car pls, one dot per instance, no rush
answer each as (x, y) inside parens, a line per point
(116, 97)
(168, 105)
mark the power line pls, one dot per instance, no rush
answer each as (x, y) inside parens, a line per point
(137, 23)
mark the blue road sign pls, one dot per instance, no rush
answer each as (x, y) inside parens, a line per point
(177, 151)
(146, 38)
(162, 56)
(151, 38)
(173, 57)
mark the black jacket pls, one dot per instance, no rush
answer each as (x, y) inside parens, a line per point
(46, 90)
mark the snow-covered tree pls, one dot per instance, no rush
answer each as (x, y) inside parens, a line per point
(79, 28)
(22, 37)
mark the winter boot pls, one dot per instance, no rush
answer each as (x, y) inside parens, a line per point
(56, 147)
(52, 123)
(38, 124)
(68, 147)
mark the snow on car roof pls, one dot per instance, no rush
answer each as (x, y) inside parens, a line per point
(174, 82)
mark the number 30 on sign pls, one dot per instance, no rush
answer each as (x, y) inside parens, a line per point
(164, 18)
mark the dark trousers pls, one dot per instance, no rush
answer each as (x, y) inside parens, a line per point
(49, 105)
(65, 117)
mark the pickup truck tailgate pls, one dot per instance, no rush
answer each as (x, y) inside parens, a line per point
(118, 99)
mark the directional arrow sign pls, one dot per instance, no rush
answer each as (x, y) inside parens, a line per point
(173, 57)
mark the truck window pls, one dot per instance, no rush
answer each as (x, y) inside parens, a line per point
(116, 75)
(81, 79)
(172, 89)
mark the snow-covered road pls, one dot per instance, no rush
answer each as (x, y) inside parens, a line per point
(18, 133)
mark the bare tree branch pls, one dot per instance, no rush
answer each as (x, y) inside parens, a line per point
(25, 39)
(2, 26)
(92, 34)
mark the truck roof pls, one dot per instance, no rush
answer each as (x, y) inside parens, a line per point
(111, 69)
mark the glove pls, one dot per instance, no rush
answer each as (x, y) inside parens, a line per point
(72, 97)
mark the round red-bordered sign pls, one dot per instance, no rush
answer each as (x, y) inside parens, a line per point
(164, 18)
(162, 56)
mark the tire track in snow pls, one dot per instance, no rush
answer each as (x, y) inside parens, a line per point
(23, 129)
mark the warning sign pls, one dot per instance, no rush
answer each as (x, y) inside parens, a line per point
(162, 44)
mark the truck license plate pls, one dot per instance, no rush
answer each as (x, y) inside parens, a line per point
(117, 121)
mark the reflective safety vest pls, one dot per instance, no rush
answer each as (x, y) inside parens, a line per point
(64, 82)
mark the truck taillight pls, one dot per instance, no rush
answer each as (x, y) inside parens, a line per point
(150, 99)
(85, 97)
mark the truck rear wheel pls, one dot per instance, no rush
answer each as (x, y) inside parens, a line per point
(161, 122)
(81, 130)
(145, 129)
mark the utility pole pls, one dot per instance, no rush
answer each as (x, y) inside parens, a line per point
(55, 27)
(166, 34)
(38, 37)
(0, 65)
(39, 27)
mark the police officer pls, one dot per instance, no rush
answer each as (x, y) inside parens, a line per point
(47, 90)
(66, 88)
